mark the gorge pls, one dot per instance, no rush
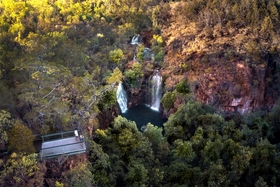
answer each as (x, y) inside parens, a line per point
(146, 110)
(201, 76)
(149, 110)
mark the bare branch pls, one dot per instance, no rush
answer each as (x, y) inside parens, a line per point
(52, 90)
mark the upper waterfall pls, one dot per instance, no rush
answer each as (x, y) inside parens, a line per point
(136, 40)
(122, 98)
(155, 87)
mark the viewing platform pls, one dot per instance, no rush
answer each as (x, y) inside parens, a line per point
(58, 144)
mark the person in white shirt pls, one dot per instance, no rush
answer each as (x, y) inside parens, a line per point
(76, 134)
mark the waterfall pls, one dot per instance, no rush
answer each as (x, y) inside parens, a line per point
(136, 40)
(155, 91)
(122, 98)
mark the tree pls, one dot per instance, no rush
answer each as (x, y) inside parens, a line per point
(198, 140)
(44, 88)
(19, 169)
(261, 183)
(128, 138)
(108, 100)
(182, 124)
(116, 56)
(182, 87)
(20, 139)
(168, 100)
(212, 151)
(135, 74)
(137, 175)
(101, 165)
(130, 152)
(80, 176)
(216, 175)
(115, 77)
(240, 162)
(183, 150)
(159, 143)
(6, 123)
(179, 173)
(154, 134)
(266, 27)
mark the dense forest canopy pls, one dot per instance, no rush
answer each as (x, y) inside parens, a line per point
(61, 62)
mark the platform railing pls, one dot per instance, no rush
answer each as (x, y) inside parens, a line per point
(59, 135)
(62, 149)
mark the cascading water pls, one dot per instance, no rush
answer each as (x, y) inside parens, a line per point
(148, 113)
(122, 98)
(155, 91)
(136, 40)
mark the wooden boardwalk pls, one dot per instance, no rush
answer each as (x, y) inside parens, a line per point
(64, 146)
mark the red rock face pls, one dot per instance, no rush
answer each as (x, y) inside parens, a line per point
(239, 88)
(219, 65)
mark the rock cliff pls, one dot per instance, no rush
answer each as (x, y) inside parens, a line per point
(230, 69)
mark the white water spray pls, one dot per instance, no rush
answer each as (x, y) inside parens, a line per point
(155, 86)
(136, 40)
(122, 98)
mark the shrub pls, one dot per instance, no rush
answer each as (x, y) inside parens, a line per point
(116, 56)
(157, 40)
(182, 87)
(168, 100)
(140, 52)
(108, 100)
(134, 74)
(20, 139)
(159, 56)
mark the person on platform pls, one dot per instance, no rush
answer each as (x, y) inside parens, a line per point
(76, 134)
(81, 139)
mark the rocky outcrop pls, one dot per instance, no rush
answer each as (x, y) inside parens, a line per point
(235, 88)
(137, 94)
(226, 71)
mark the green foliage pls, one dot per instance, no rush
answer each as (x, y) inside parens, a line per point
(6, 123)
(140, 52)
(183, 149)
(134, 74)
(159, 56)
(116, 56)
(19, 134)
(54, 63)
(108, 100)
(168, 100)
(261, 183)
(101, 162)
(216, 175)
(129, 153)
(157, 47)
(182, 87)
(80, 176)
(157, 40)
(180, 174)
(212, 151)
(137, 175)
(183, 122)
(205, 150)
(58, 184)
(153, 133)
(115, 77)
(19, 169)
